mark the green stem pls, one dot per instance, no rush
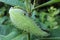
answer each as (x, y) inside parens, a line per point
(28, 36)
(34, 2)
(45, 4)
(28, 5)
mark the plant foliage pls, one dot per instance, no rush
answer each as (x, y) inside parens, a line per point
(24, 20)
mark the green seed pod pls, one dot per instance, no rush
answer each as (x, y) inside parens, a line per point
(25, 23)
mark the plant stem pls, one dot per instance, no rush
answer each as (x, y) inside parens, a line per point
(45, 4)
(34, 2)
(28, 36)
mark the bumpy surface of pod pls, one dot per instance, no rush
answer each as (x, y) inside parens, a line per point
(25, 23)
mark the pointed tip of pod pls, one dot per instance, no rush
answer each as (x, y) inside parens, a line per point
(44, 34)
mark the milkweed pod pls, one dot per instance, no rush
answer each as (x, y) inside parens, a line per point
(23, 22)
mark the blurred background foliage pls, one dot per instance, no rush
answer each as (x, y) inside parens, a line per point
(47, 17)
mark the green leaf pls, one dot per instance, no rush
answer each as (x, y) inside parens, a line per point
(2, 10)
(21, 37)
(55, 34)
(42, 16)
(53, 11)
(2, 37)
(27, 4)
(13, 3)
(3, 19)
(12, 34)
(33, 15)
(5, 29)
(8, 31)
